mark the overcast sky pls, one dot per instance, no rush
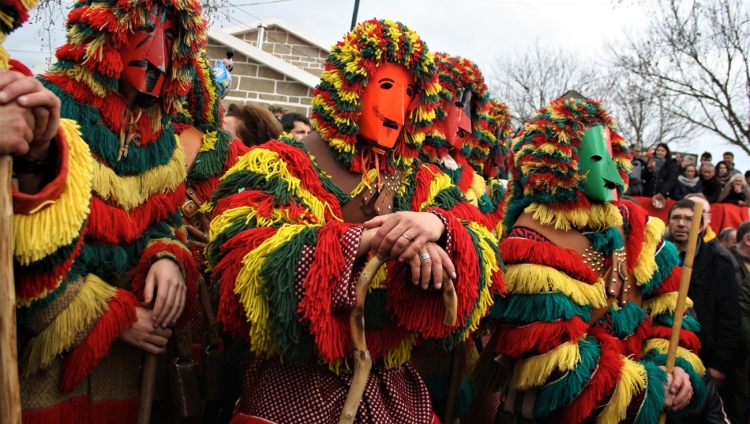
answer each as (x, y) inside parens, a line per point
(481, 30)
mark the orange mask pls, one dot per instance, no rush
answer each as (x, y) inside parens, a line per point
(389, 94)
(457, 125)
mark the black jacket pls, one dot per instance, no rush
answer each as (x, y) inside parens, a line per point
(712, 189)
(713, 289)
(661, 182)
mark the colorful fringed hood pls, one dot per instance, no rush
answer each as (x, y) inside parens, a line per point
(89, 64)
(498, 118)
(12, 15)
(458, 74)
(544, 173)
(336, 100)
(202, 107)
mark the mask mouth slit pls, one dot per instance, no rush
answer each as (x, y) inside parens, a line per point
(610, 185)
(390, 124)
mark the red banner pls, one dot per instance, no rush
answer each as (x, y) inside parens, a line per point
(723, 215)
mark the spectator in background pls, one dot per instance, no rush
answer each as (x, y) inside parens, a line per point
(729, 160)
(722, 173)
(747, 177)
(277, 111)
(706, 158)
(251, 124)
(636, 173)
(296, 124)
(728, 238)
(688, 160)
(713, 288)
(660, 175)
(735, 192)
(678, 158)
(688, 183)
(711, 185)
(741, 251)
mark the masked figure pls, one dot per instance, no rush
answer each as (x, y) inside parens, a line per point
(96, 245)
(591, 285)
(288, 239)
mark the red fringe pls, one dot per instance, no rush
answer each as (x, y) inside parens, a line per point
(81, 410)
(604, 380)
(688, 339)
(265, 204)
(379, 342)
(331, 331)
(568, 261)
(422, 311)
(636, 219)
(422, 182)
(114, 411)
(29, 286)
(236, 150)
(119, 316)
(130, 225)
(467, 174)
(671, 284)
(539, 337)
(240, 418)
(633, 343)
(230, 310)
(184, 257)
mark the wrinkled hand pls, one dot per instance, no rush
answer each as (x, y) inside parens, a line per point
(165, 276)
(17, 125)
(389, 241)
(718, 376)
(145, 334)
(29, 93)
(422, 271)
(679, 390)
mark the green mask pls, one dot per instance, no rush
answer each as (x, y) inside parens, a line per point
(595, 160)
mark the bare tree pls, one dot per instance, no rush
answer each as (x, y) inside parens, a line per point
(530, 79)
(696, 56)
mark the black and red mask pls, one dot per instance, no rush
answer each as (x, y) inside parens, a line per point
(146, 57)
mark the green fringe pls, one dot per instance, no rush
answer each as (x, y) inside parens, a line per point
(607, 241)
(24, 313)
(106, 144)
(563, 391)
(211, 162)
(448, 198)
(530, 308)
(403, 203)
(246, 180)
(49, 262)
(626, 319)
(667, 258)
(688, 323)
(654, 358)
(653, 404)
(291, 336)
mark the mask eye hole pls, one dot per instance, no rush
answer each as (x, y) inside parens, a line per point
(170, 35)
(410, 91)
(596, 158)
(147, 28)
(386, 85)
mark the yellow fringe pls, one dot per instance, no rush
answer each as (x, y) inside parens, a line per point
(645, 266)
(131, 191)
(664, 303)
(209, 138)
(662, 346)
(248, 287)
(531, 279)
(632, 381)
(534, 371)
(42, 233)
(89, 304)
(477, 188)
(230, 216)
(599, 217)
(269, 163)
(379, 278)
(486, 254)
(439, 183)
(398, 356)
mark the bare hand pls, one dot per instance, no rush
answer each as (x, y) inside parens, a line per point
(431, 268)
(29, 93)
(679, 390)
(741, 203)
(145, 334)
(651, 164)
(165, 276)
(402, 234)
(17, 125)
(717, 376)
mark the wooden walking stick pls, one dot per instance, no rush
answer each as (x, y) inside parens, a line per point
(148, 379)
(10, 392)
(362, 358)
(687, 271)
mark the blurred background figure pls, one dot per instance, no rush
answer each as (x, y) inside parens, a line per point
(688, 182)
(296, 124)
(660, 176)
(277, 111)
(728, 237)
(722, 173)
(736, 191)
(251, 124)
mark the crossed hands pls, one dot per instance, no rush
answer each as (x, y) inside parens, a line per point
(679, 390)
(29, 116)
(410, 237)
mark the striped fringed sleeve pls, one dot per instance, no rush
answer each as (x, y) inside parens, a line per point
(63, 312)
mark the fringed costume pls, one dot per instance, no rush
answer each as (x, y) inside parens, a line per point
(578, 346)
(84, 244)
(284, 259)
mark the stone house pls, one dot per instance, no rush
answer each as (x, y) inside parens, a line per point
(282, 69)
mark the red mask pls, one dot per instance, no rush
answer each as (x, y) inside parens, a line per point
(389, 94)
(146, 58)
(457, 125)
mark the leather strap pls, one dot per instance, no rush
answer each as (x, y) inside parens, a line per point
(212, 329)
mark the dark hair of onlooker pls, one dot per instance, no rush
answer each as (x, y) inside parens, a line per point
(664, 145)
(706, 155)
(288, 120)
(742, 230)
(683, 204)
(729, 154)
(747, 174)
(256, 125)
(724, 234)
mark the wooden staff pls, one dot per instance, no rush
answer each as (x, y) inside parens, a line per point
(687, 271)
(148, 379)
(362, 358)
(10, 398)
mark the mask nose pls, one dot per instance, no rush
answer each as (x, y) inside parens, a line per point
(393, 104)
(157, 55)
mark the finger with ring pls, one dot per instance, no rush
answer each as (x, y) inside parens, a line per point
(406, 237)
(423, 257)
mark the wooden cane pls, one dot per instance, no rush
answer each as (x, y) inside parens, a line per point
(10, 398)
(687, 271)
(362, 358)
(148, 379)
